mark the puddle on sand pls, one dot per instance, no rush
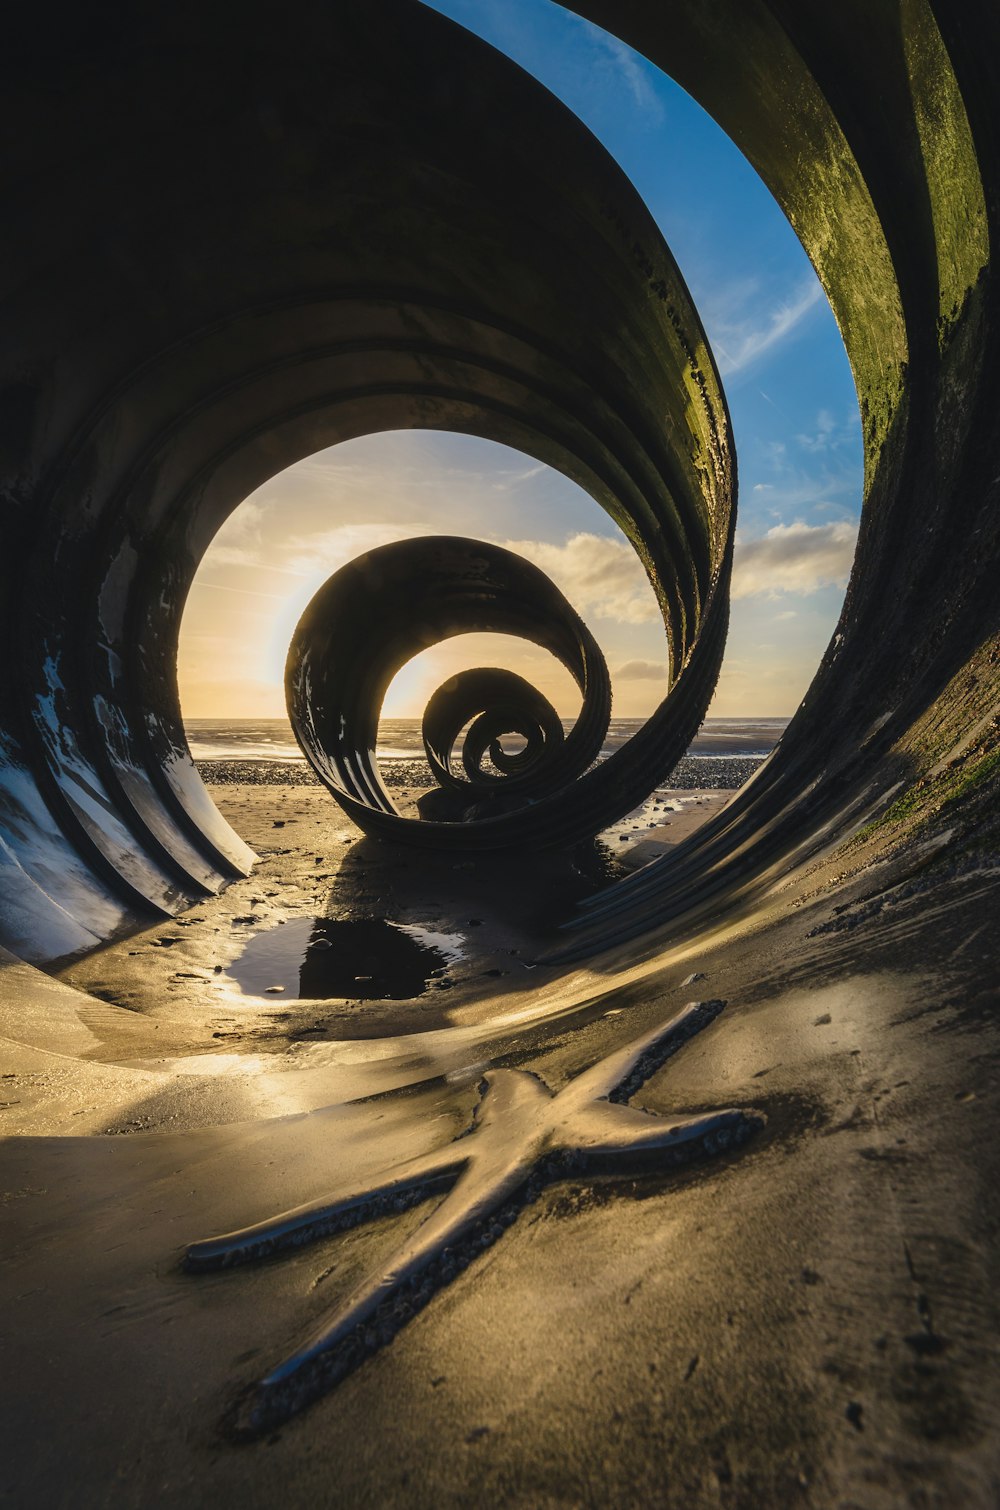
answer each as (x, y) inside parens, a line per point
(316, 959)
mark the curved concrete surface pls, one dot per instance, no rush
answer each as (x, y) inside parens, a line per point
(338, 259)
(230, 245)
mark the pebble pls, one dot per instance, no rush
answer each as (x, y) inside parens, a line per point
(711, 772)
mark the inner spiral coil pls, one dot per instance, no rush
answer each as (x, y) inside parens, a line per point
(376, 613)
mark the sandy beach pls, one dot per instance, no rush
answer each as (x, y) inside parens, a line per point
(335, 936)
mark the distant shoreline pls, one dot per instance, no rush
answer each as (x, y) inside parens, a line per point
(693, 773)
(249, 742)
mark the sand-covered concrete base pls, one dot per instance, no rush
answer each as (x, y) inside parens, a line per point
(224, 978)
(808, 1320)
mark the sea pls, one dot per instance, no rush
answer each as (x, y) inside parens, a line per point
(399, 738)
(724, 753)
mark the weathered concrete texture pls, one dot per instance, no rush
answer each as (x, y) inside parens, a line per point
(813, 1322)
(234, 246)
(201, 290)
(876, 129)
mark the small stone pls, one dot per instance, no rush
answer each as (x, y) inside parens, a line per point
(690, 980)
(274, 990)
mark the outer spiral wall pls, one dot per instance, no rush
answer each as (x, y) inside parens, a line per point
(232, 236)
(227, 248)
(337, 258)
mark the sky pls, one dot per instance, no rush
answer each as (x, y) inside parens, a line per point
(794, 412)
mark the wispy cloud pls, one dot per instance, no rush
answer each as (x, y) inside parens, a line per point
(243, 592)
(631, 68)
(742, 333)
(641, 671)
(795, 558)
(829, 435)
(241, 536)
(314, 557)
(506, 481)
(828, 478)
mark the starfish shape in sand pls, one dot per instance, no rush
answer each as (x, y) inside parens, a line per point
(522, 1137)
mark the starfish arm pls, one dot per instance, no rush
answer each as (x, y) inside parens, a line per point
(605, 1130)
(304, 1224)
(467, 1207)
(628, 1068)
(499, 1158)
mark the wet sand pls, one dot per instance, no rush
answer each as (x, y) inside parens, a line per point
(337, 937)
(822, 1278)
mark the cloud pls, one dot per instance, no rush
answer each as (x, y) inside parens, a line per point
(829, 435)
(797, 558)
(314, 557)
(825, 437)
(244, 592)
(641, 671)
(517, 479)
(832, 485)
(310, 558)
(239, 540)
(600, 576)
(632, 69)
(739, 340)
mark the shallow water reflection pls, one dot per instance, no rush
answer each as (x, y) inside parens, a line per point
(321, 959)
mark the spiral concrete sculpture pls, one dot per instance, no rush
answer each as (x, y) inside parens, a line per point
(448, 278)
(232, 241)
(421, 275)
(373, 615)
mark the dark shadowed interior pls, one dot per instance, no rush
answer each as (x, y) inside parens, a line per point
(230, 242)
